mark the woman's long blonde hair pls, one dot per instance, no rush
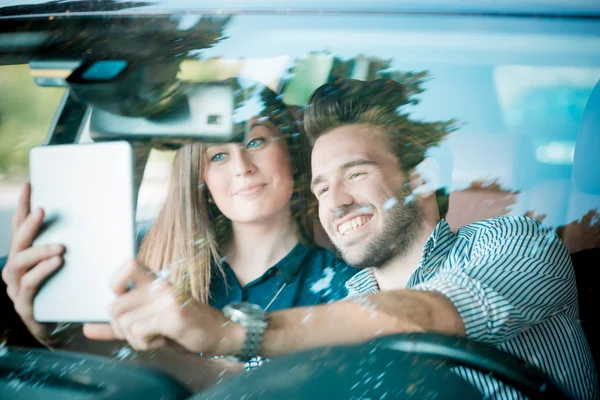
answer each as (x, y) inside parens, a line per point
(189, 233)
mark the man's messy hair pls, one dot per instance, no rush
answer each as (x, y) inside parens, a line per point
(379, 103)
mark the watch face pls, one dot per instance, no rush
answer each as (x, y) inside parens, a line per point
(235, 314)
(246, 309)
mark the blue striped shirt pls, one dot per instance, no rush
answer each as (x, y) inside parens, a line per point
(512, 281)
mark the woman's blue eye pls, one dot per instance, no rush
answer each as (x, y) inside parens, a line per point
(355, 175)
(254, 143)
(217, 157)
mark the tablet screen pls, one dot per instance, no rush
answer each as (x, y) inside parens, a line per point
(87, 192)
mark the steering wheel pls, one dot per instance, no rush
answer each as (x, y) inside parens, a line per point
(44, 374)
(405, 366)
(415, 366)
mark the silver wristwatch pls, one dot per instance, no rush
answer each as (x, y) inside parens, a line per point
(254, 320)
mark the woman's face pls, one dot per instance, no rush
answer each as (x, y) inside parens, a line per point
(252, 181)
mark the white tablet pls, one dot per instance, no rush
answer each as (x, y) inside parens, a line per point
(87, 191)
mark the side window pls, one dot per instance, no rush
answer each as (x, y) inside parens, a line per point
(153, 189)
(26, 112)
(522, 162)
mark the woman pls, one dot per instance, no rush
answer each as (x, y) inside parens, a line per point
(237, 224)
(249, 221)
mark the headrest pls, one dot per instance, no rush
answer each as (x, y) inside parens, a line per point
(586, 161)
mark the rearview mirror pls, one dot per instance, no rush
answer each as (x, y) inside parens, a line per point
(138, 100)
(205, 114)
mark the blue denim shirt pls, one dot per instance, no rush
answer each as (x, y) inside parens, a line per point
(307, 275)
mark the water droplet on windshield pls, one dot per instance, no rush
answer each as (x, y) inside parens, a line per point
(185, 303)
(391, 202)
(366, 209)
(164, 273)
(325, 282)
(3, 349)
(123, 353)
(15, 384)
(308, 315)
(61, 327)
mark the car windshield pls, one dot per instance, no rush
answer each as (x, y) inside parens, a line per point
(497, 110)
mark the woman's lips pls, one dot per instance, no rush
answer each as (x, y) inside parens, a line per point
(251, 189)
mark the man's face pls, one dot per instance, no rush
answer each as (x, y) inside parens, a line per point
(361, 189)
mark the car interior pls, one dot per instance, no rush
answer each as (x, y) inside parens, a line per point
(524, 92)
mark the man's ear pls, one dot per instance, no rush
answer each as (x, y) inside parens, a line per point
(425, 178)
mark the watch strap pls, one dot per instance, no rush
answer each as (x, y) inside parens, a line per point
(255, 329)
(253, 319)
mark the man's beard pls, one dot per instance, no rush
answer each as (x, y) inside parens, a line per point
(400, 231)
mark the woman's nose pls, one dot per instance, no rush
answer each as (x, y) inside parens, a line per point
(243, 163)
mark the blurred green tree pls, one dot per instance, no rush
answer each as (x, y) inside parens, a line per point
(26, 112)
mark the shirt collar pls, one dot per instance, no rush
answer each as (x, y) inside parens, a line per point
(288, 266)
(363, 282)
(437, 246)
(435, 250)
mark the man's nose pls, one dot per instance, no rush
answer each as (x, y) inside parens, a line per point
(338, 198)
(243, 163)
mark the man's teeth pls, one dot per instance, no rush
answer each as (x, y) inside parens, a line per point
(353, 224)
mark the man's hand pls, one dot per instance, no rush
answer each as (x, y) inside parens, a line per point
(29, 266)
(149, 311)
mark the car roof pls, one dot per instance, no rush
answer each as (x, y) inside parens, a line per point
(538, 8)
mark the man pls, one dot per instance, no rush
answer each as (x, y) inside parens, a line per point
(507, 281)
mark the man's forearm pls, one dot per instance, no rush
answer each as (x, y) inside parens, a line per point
(359, 320)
